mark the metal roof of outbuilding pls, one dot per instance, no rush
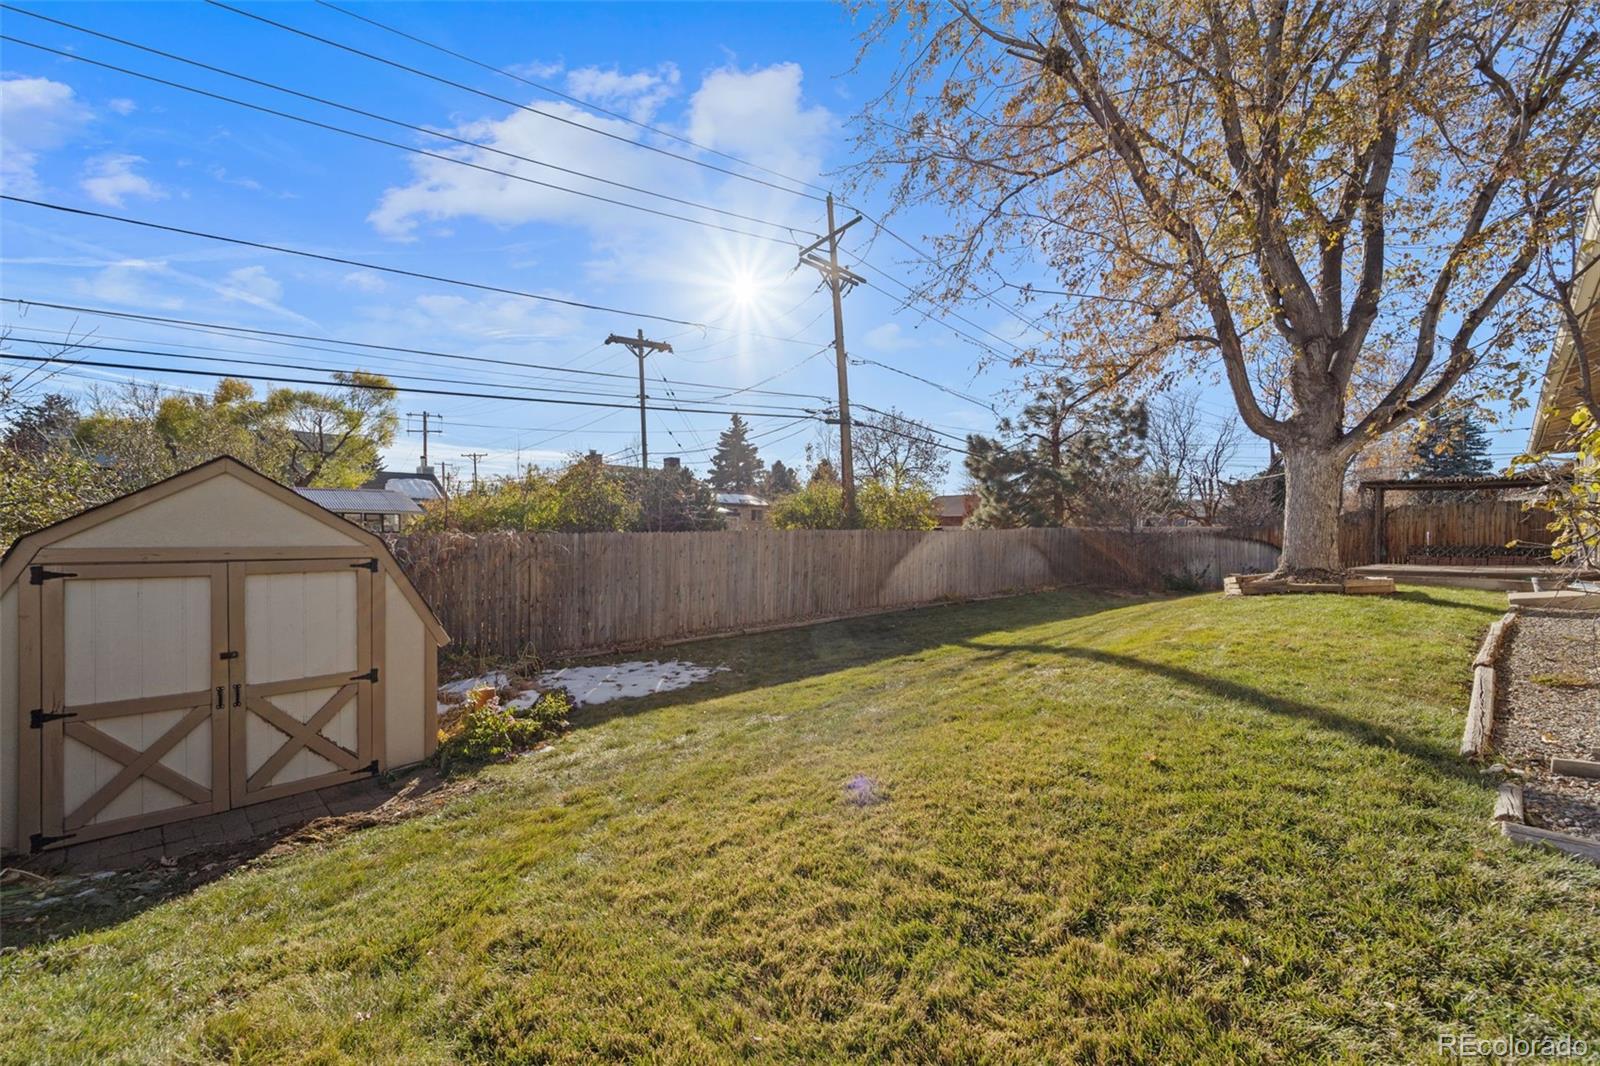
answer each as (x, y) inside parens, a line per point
(368, 501)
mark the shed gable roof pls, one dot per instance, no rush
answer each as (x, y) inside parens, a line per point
(77, 531)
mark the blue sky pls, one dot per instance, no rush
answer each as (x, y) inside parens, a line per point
(772, 84)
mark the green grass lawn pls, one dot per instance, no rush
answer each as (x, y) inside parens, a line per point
(1184, 830)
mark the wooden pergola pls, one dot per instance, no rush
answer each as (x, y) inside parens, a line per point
(1379, 486)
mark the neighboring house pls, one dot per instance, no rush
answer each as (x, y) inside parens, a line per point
(742, 511)
(952, 511)
(1558, 395)
(419, 487)
(379, 510)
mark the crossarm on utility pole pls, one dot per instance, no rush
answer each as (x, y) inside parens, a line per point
(641, 347)
(839, 280)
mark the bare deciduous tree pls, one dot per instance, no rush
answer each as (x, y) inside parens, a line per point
(892, 448)
(1192, 456)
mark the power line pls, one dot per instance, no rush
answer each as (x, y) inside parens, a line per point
(242, 361)
(930, 318)
(568, 97)
(773, 377)
(489, 148)
(269, 333)
(366, 114)
(504, 100)
(342, 261)
(365, 386)
(478, 285)
(410, 148)
(486, 169)
(933, 384)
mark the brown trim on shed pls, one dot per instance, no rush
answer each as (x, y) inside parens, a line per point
(28, 548)
(29, 698)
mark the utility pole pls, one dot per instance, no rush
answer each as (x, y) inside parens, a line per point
(425, 431)
(475, 456)
(641, 348)
(839, 280)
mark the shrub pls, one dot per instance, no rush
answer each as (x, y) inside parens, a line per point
(481, 729)
(1572, 496)
(820, 505)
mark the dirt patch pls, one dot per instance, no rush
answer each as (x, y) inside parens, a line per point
(38, 907)
(1550, 706)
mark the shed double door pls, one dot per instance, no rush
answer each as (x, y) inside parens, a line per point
(173, 690)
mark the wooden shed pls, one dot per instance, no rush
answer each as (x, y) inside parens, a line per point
(208, 642)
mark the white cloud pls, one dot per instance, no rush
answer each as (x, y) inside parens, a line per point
(444, 190)
(122, 105)
(365, 281)
(759, 115)
(253, 285)
(36, 115)
(110, 179)
(638, 95)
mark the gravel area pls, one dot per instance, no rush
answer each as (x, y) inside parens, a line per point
(1549, 705)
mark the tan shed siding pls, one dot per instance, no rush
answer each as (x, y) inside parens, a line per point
(8, 720)
(406, 644)
(221, 511)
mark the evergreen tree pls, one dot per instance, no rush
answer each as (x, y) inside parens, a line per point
(735, 467)
(1452, 443)
(781, 481)
(676, 501)
(1055, 463)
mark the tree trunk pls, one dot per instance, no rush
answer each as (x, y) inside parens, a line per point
(1313, 494)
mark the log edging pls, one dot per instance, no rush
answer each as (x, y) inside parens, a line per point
(1480, 709)
(1509, 812)
(1510, 817)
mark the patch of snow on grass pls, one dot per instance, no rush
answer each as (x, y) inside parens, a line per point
(617, 681)
(589, 684)
(495, 680)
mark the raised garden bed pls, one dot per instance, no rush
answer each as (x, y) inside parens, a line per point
(1545, 730)
(1267, 585)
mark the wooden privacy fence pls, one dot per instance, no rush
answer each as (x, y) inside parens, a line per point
(1467, 533)
(566, 593)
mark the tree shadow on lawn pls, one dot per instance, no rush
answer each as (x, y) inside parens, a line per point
(1415, 594)
(1442, 761)
(783, 656)
(780, 657)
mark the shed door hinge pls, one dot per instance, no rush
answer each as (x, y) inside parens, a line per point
(38, 575)
(39, 716)
(38, 841)
(371, 768)
(370, 564)
(370, 675)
